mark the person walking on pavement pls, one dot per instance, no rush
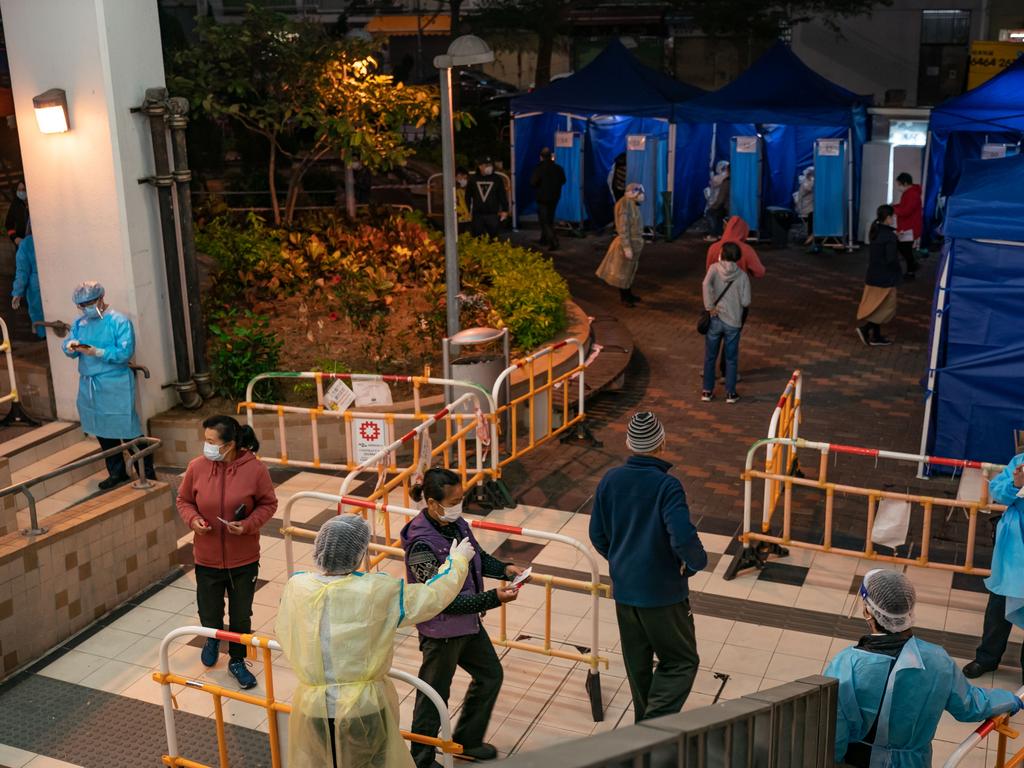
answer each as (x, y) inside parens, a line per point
(225, 498)
(488, 200)
(909, 220)
(641, 525)
(337, 629)
(547, 181)
(726, 294)
(26, 283)
(879, 300)
(1006, 584)
(456, 637)
(103, 342)
(618, 268)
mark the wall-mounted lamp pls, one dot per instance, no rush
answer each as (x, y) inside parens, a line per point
(51, 109)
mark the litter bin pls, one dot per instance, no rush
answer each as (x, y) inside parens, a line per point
(482, 367)
(780, 221)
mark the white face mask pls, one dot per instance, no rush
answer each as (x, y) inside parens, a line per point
(640, 198)
(452, 513)
(22, 195)
(212, 452)
(462, 182)
(487, 170)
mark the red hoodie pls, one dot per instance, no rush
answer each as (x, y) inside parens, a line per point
(908, 211)
(736, 231)
(213, 489)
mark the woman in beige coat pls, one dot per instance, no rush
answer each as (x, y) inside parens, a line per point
(619, 265)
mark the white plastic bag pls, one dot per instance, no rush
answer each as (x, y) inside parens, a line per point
(892, 520)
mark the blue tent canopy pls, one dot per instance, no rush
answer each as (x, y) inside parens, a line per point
(992, 112)
(614, 83)
(973, 400)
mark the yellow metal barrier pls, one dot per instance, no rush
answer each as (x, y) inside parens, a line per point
(268, 701)
(785, 423)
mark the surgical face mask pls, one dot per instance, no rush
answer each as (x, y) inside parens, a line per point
(462, 182)
(488, 170)
(93, 311)
(641, 197)
(452, 513)
(22, 195)
(212, 452)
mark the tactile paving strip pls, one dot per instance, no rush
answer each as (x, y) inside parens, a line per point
(95, 729)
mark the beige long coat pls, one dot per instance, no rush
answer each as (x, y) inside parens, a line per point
(616, 269)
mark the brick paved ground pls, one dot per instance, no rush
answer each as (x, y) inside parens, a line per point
(802, 317)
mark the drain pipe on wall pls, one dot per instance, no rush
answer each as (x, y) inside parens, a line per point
(155, 109)
(177, 121)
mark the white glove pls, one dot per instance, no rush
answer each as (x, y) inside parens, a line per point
(627, 252)
(463, 549)
(15, 302)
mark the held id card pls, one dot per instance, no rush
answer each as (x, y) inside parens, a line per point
(518, 582)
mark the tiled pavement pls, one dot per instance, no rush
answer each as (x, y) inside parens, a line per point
(760, 629)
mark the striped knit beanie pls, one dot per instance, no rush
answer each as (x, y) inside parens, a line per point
(645, 433)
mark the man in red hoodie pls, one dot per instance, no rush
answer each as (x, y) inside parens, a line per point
(909, 220)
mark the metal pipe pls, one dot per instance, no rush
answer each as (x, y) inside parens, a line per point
(451, 227)
(155, 109)
(177, 121)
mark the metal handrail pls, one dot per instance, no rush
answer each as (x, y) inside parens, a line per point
(135, 464)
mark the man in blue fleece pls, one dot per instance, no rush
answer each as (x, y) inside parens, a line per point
(641, 524)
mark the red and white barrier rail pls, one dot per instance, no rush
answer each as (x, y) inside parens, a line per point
(982, 732)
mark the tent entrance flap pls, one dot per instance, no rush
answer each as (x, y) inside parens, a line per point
(569, 155)
(745, 180)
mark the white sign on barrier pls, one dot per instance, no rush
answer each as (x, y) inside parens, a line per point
(828, 147)
(371, 393)
(369, 437)
(636, 142)
(339, 396)
(746, 145)
(563, 139)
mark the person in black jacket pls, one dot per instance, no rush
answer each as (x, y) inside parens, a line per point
(547, 181)
(878, 302)
(16, 223)
(488, 200)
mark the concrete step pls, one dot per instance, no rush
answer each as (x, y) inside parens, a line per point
(27, 449)
(59, 458)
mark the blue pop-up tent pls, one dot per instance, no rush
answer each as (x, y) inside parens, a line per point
(790, 106)
(992, 113)
(976, 363)
(614, 96)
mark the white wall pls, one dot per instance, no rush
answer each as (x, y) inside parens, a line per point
(90, 217)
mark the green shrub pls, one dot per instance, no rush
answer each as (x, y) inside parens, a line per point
(242, 345)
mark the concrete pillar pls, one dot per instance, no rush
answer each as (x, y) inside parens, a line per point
(90, 216)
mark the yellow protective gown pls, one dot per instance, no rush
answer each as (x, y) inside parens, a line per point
(339, 638)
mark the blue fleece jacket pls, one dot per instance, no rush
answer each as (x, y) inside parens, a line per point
(641, 524)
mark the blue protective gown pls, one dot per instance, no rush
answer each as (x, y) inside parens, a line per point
(924, 682)
(106, 386)
(26, 282)
(1007, 577)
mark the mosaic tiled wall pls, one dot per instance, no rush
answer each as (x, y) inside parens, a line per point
(93, 557)
(8, 504)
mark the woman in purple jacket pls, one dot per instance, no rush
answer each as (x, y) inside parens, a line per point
(456, 637)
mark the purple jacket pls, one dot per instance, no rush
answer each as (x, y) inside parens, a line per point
(444, 625)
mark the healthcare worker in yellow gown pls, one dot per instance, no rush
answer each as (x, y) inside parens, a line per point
(337, 630)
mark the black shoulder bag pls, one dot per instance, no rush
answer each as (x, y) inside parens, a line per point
(704, 321)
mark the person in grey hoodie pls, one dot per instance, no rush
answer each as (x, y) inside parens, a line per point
(726, 296)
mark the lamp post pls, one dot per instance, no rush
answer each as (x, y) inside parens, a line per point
(463, 51)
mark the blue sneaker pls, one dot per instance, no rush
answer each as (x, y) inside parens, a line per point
(245, 678)
(211, 649)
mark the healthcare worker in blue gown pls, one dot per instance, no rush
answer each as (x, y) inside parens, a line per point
(103, 342)
(894, 687)
(26, 283)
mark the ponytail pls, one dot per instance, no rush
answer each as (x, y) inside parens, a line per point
(230, 431)
(433, 485)
(883, 213)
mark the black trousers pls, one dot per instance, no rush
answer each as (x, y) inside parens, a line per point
(995, 634)
(485, 224)
(546, 214)
(240, 585)
(115, 464)
(475, 654)
(364, 742)
(906, 250)
(667, 633)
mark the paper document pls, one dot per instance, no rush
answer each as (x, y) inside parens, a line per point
(521, 578)
(892, 521)
(339, 396)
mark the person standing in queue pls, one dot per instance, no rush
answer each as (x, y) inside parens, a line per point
(16, 222)
(462, 213)
(337, 629)
(909, 221)
(618, 268)
(547, 181)
(225, 498)
(488, 200)
(456, 637)
(1006, 584)
(893, 687)
(26, 283)
(103, 342)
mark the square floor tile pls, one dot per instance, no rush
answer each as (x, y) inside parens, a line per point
(12, 757)
(518, 551)
(783, 573)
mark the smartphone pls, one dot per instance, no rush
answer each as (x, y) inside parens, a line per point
(80, 345)
(241, 513)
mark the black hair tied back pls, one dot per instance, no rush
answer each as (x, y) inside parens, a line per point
(435, 480)
(230, 431)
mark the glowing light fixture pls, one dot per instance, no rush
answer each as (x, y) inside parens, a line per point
(51, 109)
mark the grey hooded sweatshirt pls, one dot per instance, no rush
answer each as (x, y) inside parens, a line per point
(730, 308)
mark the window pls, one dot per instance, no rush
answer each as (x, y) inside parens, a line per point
(945, 27)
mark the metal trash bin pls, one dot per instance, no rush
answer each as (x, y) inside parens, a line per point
(481, 368)
(780, 221)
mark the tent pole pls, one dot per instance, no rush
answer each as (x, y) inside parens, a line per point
(933, 358)
(512, 166)
(926, 231)
(714, 140)
(849, 190)
(671, 178)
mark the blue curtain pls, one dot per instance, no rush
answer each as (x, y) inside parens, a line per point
(570, 204)
(745, 185)
(830, 196)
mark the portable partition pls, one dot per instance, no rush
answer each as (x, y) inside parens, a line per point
(569, 155)
(833, 189)
(745, 180)
(646, 164)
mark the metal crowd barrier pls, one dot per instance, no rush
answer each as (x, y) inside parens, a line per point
(268, 701)
(791, 726)
(16, 414)
(392, 549)
(999, 725)
(785, 422)
(758, 545)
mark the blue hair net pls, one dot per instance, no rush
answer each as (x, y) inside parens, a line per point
(90, 290)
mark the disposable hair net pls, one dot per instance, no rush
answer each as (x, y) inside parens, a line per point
(341, 543)
(890, 598)
(721, 166)
(87, 291)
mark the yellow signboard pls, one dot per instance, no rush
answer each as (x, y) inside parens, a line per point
(989, 58)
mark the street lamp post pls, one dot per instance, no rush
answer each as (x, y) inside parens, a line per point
(463, 51)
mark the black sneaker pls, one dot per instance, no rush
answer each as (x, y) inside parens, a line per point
(863, 334)
(482, 751)
(707, 396)
(113, 482)
(732, 397)
(880, 341)
(240, 670)
(211, 648)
